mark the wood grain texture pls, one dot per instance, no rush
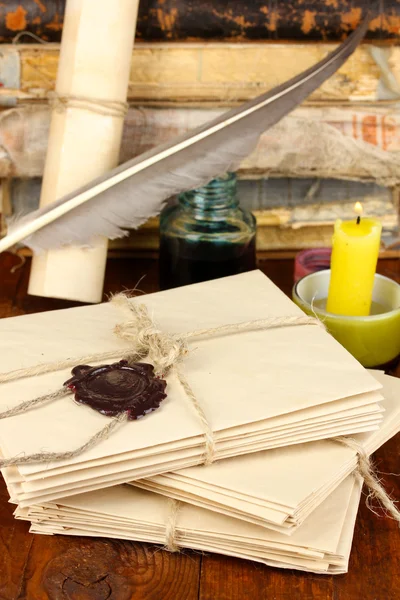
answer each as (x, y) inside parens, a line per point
(232, 578)
(63, 568)
(216, 19)
(15, 545)
(93, 569)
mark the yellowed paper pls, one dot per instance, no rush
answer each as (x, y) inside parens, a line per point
(94, 63)
(321, 545)
(278, 488)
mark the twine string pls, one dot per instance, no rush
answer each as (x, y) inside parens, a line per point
(17, 37)
(68, 363)
(28, 404)
(170, 526)
(44, 457)
(60, 102)
(270, 323)
(165, 350)
(366, 471)
(100, 106)
(209, 442)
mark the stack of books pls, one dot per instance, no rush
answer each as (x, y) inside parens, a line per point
(292, 181)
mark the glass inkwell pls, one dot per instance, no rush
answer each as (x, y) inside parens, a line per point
(206, 235)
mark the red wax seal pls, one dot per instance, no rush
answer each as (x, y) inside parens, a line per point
(120, 387)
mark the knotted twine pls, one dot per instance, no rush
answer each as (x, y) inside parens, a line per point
(60, 102)
(171, 543)
(366, 471)
(100, 106)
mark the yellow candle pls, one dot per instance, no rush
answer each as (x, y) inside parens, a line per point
(355, 249)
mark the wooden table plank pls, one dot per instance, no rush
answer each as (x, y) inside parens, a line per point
(12, 271)
(122, 274)
(374, 570)
(95, 569)
(225, 578)
(15, 545)
(56, 567)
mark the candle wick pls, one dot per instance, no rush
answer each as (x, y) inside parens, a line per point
(358, 220)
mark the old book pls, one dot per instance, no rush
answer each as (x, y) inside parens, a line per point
(291, 213)
(365, 134)
(214, 19)
(215, 73)
(366, 141)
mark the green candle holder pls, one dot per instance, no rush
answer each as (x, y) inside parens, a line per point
(373, 340)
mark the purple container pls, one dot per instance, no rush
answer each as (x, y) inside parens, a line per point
(310, 261)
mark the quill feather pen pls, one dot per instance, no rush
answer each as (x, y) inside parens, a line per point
(136, 190)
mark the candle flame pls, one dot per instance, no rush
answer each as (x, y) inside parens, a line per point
(358, 209)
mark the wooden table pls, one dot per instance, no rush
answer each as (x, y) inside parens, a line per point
(42, 567)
